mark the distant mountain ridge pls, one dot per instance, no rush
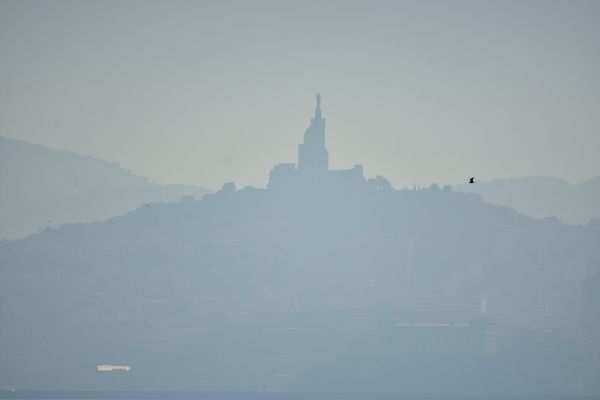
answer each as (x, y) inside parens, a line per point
(42, 187)
(543, 196)
(323, 282)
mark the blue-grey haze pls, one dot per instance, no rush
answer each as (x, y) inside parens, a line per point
(543, 197)
(209, 91)
(324, 276)
(41, 187)
(323, 282)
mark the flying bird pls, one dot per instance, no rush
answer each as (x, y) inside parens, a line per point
(472, 180)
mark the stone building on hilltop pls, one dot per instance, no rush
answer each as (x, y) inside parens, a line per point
(312, 170)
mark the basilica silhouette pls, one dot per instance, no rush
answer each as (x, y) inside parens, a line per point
(312, 170)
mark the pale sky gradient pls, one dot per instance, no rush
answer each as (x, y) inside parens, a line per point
(203, 92)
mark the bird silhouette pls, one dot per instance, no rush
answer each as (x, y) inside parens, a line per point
(472, 180)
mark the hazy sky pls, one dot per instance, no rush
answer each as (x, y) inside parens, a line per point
(203, 92)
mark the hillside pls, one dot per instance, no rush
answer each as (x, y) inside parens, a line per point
(41, 187)
(310, 289)
(542, 196)
(325, 281)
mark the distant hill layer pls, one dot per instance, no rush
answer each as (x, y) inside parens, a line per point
(542, 196)
(42, 187)
(305, 289)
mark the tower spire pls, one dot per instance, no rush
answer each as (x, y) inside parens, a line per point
(313, 157)
(318, 108)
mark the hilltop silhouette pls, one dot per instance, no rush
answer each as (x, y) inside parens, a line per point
(42, 187)
(543, 196)
(323, 281)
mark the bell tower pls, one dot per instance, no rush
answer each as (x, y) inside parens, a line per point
(313, 157)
